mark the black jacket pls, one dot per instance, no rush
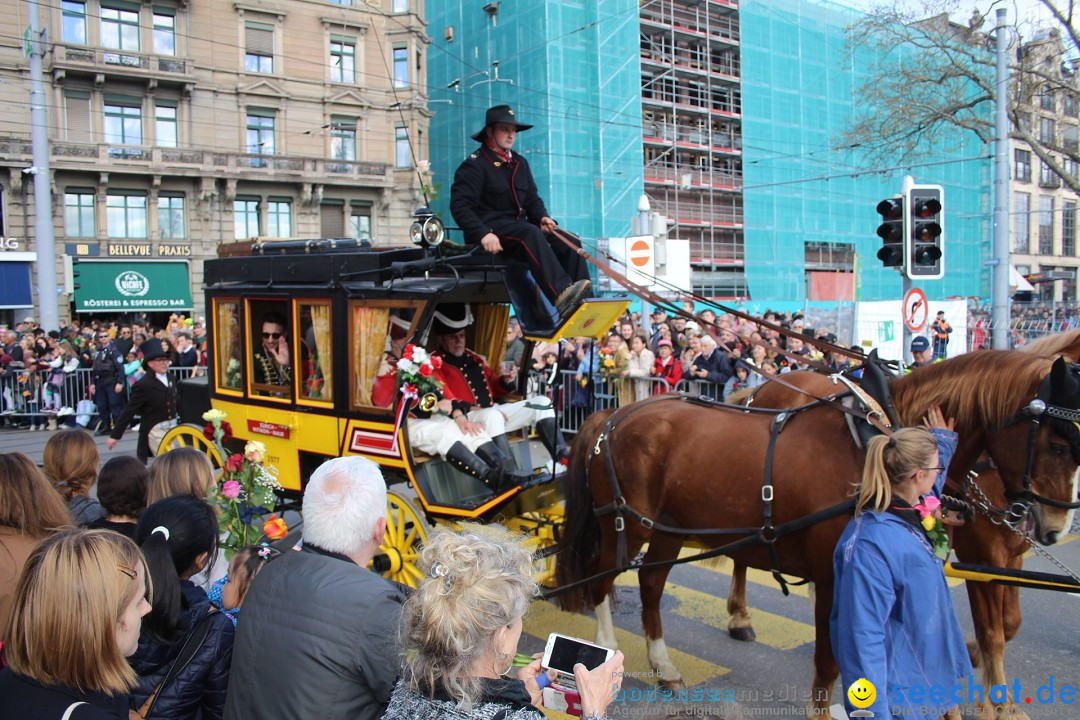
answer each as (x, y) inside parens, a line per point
(153, 403)
(108, 365)
(199, 690)
(316, 640)
(486, 189)
(27, 699)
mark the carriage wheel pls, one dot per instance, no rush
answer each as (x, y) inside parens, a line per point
(191, 436)
(406, 532)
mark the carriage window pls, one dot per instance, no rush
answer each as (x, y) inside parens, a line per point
(379, 332)
(316, 351)
(271, 356)
(227, 344)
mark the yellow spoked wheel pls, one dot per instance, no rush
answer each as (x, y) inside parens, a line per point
(191, 436)
(406, 532)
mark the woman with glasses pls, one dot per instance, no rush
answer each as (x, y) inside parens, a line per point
(893, 622)
(76, 618)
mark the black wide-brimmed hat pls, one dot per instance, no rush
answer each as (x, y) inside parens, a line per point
(450, 318)
(499, 114)
(153, 349)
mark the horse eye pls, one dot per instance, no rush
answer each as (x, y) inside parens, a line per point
(1059, 449)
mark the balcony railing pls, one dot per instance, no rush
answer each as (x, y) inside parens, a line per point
(692, 177)
(103, 60)
(697, 21)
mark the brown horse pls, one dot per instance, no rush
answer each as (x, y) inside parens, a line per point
(815, 466)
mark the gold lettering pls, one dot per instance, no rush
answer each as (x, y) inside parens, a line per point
(174, 250)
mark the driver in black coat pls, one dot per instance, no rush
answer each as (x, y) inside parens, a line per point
(495, 202)
(153, 398)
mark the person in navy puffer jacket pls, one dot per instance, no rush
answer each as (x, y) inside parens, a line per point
(178, 536)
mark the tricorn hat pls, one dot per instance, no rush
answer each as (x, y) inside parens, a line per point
(450, 318)
(153, 349)
(499, 114)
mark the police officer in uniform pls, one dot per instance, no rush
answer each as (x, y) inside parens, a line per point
(153, 398)
(108, 382)
(494, 200)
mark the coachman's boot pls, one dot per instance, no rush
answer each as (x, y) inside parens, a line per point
(551, 437)
(498, 456)
(488, 469)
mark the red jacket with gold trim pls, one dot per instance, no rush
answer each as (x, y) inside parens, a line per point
(468, 380)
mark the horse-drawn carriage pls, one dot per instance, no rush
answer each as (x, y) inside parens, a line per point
(338, 305)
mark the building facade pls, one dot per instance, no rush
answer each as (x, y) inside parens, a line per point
(178, 126)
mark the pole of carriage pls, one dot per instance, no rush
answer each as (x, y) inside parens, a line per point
(1001, 261)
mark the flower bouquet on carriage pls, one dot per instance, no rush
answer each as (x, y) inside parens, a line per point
(246, 492)
(416, 381)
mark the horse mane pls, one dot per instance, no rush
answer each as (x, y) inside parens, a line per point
(979, 389)
(1066, 344)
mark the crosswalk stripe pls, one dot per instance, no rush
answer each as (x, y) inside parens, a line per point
(758, 577)
(544, 618)
(773, 630)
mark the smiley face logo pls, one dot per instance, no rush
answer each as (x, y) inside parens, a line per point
(861, 693)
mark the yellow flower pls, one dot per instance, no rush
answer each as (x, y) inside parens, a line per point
(212, 415)
(929, 522)
(255, 451)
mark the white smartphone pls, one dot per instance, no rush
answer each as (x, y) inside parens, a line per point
(563, 652)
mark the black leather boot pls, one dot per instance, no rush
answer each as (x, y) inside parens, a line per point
(551, 437)
(502, 461)
(468, 462)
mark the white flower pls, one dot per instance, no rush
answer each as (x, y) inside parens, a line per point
(407, 366)
(214, 416)
(420, 356)
(423, 167)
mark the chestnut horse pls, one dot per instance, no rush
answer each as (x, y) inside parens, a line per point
(815, 466)
(983, 540)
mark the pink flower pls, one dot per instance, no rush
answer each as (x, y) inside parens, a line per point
(928, 506)
(231, 489)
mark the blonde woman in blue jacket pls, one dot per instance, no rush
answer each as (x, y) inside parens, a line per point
(893, 621)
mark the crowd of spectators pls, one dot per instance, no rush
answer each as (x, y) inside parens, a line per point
(46, 373)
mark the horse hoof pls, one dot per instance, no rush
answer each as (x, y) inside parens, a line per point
(675, 684)
(743, 634)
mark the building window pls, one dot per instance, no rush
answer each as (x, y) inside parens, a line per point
(246, 220)
(77, 111)
(73, 27)
(260, 134)
(279, 218)
(400, 6)
(1046, 224)
(165, 128)
(164, 33)
(79, 213)
(1046, 131)
(360, 224)
(1068, 105)
(1070, 138)
(259, 51)
(343, 60)
(346, 3)
(120, 28)
(125, 215)
(402, 156)
(123, 122)
(1021, 242)
(171, 216)
(1046, 98)
(332, 219)
(1068, 229)
(343, 139)
(1071, 168)
(401, 67)
(1047, 177)
(1022, 165)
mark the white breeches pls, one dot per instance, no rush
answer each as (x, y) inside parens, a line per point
(437, 434)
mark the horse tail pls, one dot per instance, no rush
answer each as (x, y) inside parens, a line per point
(580, 539)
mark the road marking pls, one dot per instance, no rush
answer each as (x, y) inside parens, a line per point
(773, 630)
(758, 577)
(543, 618)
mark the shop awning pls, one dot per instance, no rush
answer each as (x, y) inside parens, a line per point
(126, 285)
(15, 285)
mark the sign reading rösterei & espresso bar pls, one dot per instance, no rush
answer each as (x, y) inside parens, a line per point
(124, 285)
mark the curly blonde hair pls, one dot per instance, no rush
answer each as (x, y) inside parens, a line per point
(479, 581)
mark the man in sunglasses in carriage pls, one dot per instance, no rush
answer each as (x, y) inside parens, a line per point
(495, 202)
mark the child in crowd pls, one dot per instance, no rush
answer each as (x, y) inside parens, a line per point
(133, 368)
(122, 492)
(228, 592)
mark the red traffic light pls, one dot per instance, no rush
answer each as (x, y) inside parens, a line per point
(892, 209)
(927, 208)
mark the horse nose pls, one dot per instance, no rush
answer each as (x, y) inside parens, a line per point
(1050, 538)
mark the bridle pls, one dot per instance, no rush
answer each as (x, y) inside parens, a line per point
(1039, 408)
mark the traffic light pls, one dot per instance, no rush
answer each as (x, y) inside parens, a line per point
(924, 249)
(892, 231)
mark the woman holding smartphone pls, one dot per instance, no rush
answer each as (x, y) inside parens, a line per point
(460, 632)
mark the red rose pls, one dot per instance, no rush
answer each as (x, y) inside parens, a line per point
(408, 352)
(436, 362)
(234, 463)
(425, 370)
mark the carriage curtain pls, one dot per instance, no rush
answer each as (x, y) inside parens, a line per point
(225, 329)
(490, 329)
(369, 340)
(320, 323)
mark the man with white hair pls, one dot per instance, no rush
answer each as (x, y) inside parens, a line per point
(318, 634)
(712, 366)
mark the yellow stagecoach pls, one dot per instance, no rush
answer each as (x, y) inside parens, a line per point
(337, 304)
